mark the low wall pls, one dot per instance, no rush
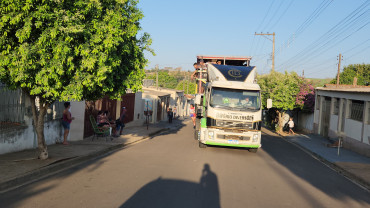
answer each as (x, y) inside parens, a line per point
(305, 122)
(19, 138)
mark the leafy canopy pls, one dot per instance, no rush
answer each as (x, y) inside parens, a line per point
(281, 88)
(82, 49)
(164, 79)
(361, 71)
(188, 86)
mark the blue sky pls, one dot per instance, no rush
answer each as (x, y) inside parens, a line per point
(309, 34)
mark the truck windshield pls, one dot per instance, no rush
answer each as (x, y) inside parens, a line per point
(235, 99)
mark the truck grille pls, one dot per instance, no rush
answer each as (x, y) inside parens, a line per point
(236, 125)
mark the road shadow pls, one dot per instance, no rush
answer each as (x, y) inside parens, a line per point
(312, 171)
(168, 193)
(170, 128)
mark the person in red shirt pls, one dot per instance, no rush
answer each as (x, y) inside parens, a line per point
(66, 121)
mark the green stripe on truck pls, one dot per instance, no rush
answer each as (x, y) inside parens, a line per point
(233, 145)
(203, 122)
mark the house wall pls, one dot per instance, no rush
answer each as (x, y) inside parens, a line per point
(76, 132)
(139, 118)
(333, 126)
(353, 129)
(24, 137)
(366, 139)
(356, 134)
(305, 122)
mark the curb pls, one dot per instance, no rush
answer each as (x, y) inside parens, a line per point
(64, 164)
(352, 177)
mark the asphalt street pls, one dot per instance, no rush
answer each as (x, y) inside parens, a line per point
(170, 170)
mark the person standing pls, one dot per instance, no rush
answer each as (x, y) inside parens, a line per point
(291, 125)
(170, 115)
(120, 122)
(66, 121)
(174, 112)
(192, 114)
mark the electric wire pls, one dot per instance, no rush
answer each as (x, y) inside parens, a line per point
(347, 22)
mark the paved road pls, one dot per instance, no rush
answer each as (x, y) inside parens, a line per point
(171, 171)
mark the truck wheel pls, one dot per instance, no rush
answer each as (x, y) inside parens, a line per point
(253, 150)
(201, 145)
(196, 134)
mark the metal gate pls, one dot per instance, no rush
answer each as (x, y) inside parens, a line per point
(93, 107)
(343, 116)
(159, 110)
(128, 101)
(325, 118)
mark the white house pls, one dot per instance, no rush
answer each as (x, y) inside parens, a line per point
(344, 111)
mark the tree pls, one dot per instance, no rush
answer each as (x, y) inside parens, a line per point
(70, 50)
(164, 79)
(189, 87)
(282, 89)
(305, 99)
(361, 71)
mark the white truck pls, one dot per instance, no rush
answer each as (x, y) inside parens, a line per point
(232, 109)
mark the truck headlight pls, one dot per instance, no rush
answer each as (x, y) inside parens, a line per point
(210, 134)
(255, 138)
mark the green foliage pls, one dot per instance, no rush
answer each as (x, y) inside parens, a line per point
(72, 49)
(361, 71)
(164, 79)
(319, 82)
(189, 87)
(281, 88)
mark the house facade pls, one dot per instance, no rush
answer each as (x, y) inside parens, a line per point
(344, 112)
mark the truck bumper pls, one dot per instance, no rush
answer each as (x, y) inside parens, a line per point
(250, 139)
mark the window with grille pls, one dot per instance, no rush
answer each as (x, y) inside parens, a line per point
(336, 106)
(357, 110)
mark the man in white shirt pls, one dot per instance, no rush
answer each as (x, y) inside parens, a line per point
(291, 125)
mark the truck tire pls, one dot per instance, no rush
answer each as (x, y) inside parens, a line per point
(201, 145)
(253, 150)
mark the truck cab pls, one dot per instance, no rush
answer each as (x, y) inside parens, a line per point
(232, 109)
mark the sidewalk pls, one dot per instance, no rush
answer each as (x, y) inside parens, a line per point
(348, 163)
(20, 168)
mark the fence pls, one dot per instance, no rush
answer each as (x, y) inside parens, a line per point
(12, 107)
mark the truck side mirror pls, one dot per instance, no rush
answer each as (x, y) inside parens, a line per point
(198, 99)
(269, 103)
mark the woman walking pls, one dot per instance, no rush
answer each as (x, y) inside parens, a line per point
(192, 114)
(66, 121)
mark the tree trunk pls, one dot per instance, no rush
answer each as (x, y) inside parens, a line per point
(280, 121)
(38, 122)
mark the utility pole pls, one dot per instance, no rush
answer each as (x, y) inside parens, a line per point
(187, 86)
(156, 69)
(183, 84)
(340, 58)
(273, 47)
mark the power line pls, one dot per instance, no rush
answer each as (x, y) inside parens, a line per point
(348, 22)
(282, 14)
(326, 46)
(314, 15)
